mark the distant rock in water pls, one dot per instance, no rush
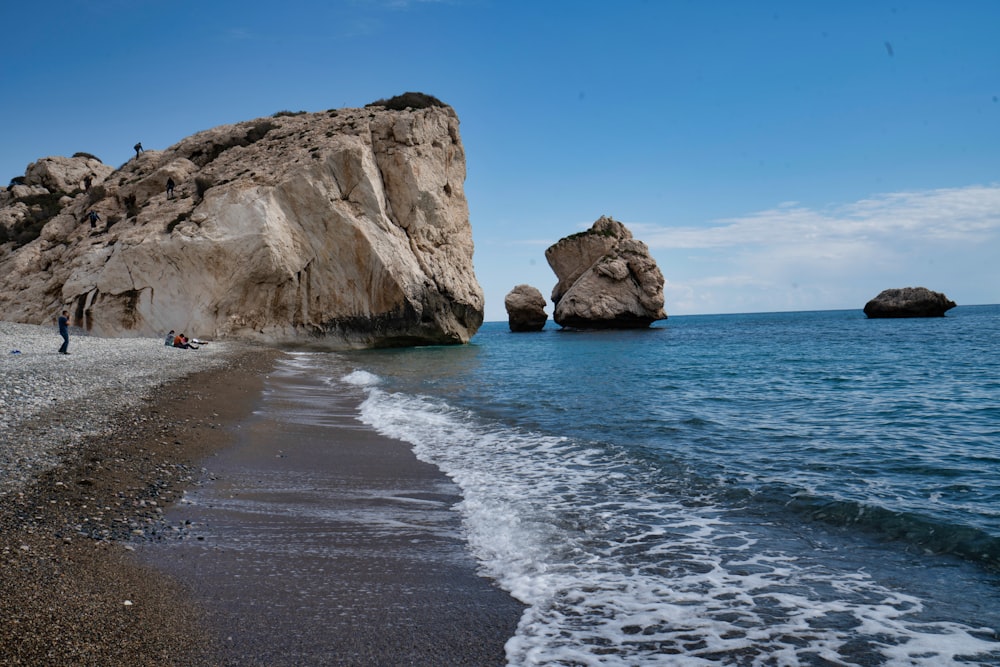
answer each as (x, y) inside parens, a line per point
(908, 302)
(607, 279)
(345, 227)
(525, 309)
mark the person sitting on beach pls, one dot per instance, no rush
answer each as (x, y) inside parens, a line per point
(169, 340)
(181, 341)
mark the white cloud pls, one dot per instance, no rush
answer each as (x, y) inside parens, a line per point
(964, 214)
(794, 257)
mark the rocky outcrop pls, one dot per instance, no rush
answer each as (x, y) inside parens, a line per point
(67, 174)
(607, 279)
(346, 227)
(908, 302)
(525, 309)
(48, 186)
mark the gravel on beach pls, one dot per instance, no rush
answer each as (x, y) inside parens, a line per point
(50, 401)
(97, 446)
(92, 447)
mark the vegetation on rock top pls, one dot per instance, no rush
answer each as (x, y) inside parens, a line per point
(408, 101)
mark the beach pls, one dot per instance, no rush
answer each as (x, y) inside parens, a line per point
(96, 450)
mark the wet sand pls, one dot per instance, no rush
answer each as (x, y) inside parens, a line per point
(314, 544)
(319, 542)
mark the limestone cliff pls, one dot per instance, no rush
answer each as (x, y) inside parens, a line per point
(607, 279)
(342, 227)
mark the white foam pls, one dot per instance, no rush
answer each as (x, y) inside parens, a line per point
(360, 378)
(617, 569)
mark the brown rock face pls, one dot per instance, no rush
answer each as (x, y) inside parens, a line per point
(908, 302)
(525, 309)
(345, 227)
(607, 279)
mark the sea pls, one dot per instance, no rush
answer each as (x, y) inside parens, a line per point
(806, 488)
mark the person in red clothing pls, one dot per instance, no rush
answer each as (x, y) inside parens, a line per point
(181, 341)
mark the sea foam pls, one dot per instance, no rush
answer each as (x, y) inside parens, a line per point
(617, 569)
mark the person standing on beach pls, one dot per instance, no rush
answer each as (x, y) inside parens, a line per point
(64, 332)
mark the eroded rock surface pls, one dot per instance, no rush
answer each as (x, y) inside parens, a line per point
(525, 309)
(345, 227)
(607, 279)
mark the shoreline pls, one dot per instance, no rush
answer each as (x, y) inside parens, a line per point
(71, 591)
(316, 540)
(77, 586)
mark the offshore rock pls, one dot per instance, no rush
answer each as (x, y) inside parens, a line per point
(908, 302)
(607, 279)
(525, 309)
(346, 227)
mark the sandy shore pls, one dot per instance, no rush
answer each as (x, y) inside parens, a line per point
(317, 541)
(92, 475)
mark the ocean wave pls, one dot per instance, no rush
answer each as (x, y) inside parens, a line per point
(620, 565)
(930, 534)
(361, 378)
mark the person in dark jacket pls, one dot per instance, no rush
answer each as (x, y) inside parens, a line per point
(64, 332)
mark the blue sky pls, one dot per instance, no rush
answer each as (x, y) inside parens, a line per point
(773, 155)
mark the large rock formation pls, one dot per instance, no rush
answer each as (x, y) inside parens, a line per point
(342, 227)
(66, 174)
(908, 302)
(525, 309)
(607, 279)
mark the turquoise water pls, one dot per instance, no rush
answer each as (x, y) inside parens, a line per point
(767, 489)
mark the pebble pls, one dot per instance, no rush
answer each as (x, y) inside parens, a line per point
(52, 401)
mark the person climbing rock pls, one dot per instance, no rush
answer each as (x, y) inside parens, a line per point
(138, 149)
(170, 188)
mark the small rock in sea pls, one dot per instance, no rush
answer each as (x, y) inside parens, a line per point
(908, 302)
